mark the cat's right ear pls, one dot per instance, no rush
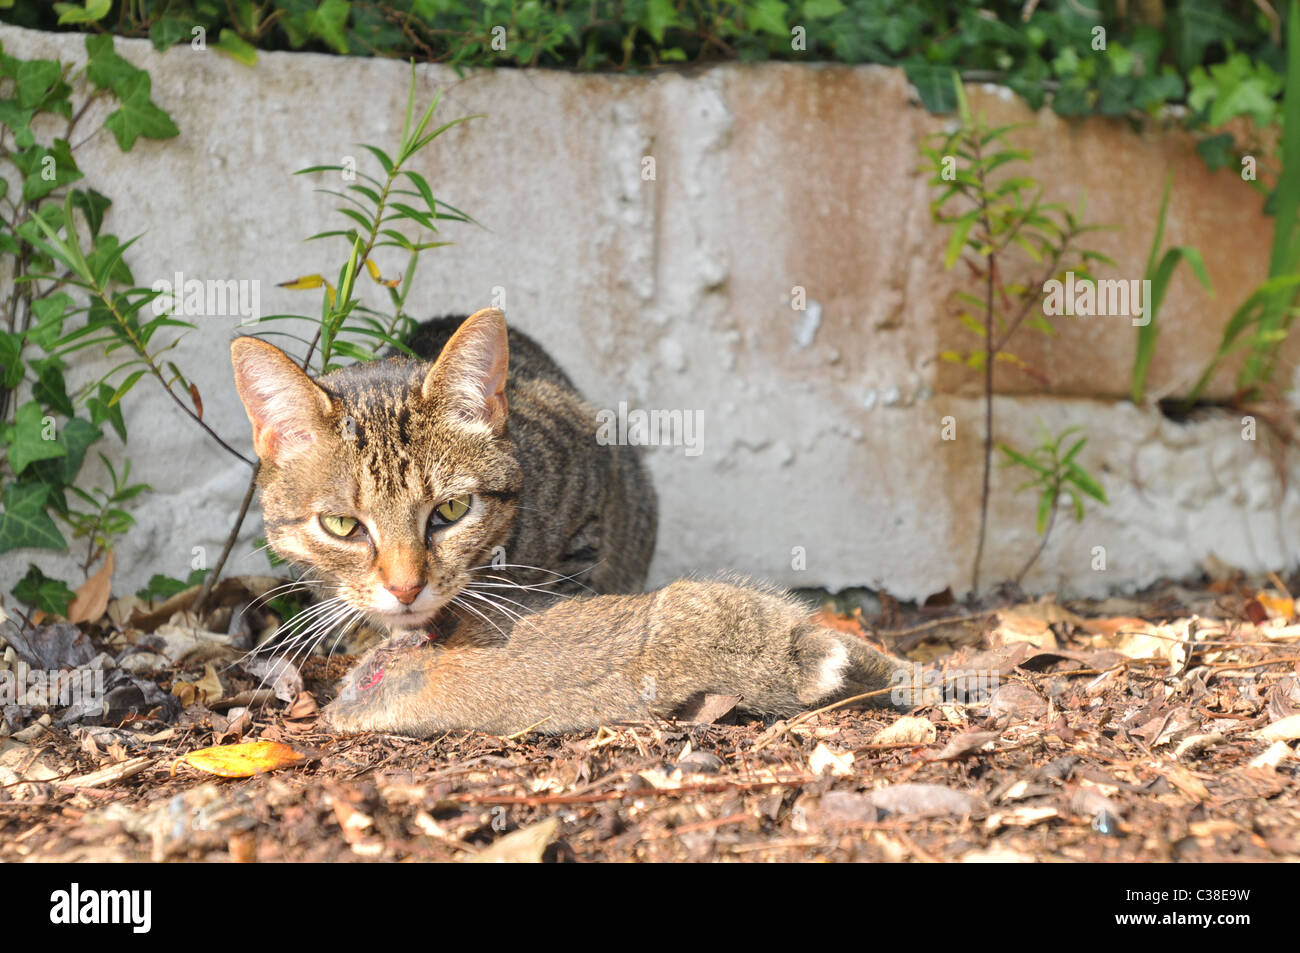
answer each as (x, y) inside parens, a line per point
(284, 405)
(469, 377)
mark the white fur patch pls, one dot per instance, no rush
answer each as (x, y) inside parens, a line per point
(830, 671)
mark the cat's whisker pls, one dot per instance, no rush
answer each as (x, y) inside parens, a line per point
(318, 630)
(292, 631)
(514, 583)
(511, 614)
(341, 626)
(496, 595)
(329, 621)
(284, 646)
(358, 618)
(303, 583)
(455, 600)
(560, 577)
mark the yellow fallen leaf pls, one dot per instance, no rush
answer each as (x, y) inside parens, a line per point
(1279, 607)
(91, 600)
(242, 760)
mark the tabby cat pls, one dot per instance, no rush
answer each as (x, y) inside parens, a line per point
(466, 506)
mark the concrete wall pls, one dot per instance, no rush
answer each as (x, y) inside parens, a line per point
(821, 428)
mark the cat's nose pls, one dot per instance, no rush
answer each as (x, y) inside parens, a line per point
(405, 594)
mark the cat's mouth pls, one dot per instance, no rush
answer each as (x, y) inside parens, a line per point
(406, 619)
(418, 614)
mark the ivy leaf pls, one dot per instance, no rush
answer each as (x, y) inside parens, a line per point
(1217, 151)
(163, 587)
(138, 116)
(936, 85)
(50, 388)
(24, 523)
(18, 120)
(51, 596)
(11, 361)
(168, 29)
(105, 67)
(36, 79)
(234, 46)
(822, 9)
(49, 313)
(92, 11)
(92, 205)
(328, 21)
(40, 175)
(659, 15)
(27, 438)
(768, 16)
(75, 437)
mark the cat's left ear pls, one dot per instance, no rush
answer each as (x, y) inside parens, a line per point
(286, 407)
(469, 377)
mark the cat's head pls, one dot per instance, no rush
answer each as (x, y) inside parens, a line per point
(394, 480)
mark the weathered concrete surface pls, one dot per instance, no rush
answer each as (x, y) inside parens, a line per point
(821, 429)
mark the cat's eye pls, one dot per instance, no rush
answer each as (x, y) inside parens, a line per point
(341, 526)
(453, 509)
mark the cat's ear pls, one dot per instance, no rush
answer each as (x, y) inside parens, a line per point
(285, 406)
(469, 377)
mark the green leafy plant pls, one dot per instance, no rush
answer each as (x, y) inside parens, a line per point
(71, 292)
(163, 587)
(1053, 474)
(1160, 273)
(1219, 55)
(1263, 321)
(993, 220)
(396, 208)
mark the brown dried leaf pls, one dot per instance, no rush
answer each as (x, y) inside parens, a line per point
(92, 596)
(706, 709)
(964, 744)
(524, 846)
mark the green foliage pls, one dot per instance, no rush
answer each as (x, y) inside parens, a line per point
(1263, 321)
(394, 208)
(163, 587)
(994, 218)
(51, 596)
(1221, 51)
(1000, 227)
(1053, 474)
(1160, 274)
(70, 292)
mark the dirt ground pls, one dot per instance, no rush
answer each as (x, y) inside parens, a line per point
(1155, 728)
